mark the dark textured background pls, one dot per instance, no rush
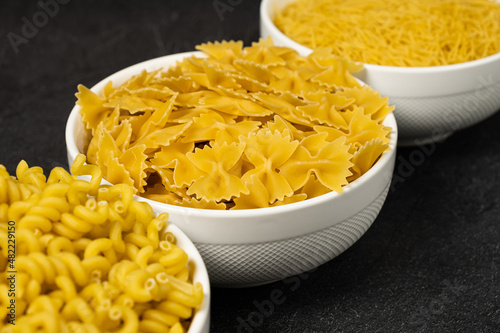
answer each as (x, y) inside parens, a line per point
(429, 263)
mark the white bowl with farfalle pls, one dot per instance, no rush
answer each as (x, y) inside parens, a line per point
(248, 247)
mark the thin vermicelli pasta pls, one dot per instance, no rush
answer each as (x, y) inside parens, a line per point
(411, 33)
(87, 258)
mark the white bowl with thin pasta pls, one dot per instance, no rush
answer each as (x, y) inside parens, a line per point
(430, 102)
(249, 247)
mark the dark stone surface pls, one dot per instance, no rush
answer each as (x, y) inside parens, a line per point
(429, 263)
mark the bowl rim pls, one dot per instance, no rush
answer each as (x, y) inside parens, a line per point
(384, 161)
(200, 321)
(268, 22)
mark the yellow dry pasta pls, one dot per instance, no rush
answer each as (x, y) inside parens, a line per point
(412, 33)
(227, 130)
(88, 257)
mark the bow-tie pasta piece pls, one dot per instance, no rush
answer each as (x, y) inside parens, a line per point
(235, 106)
(366, 157)
(134, 161)
(133, 104)
(101, 145)
(267, 151)
(313, 188)
(291, 82)
(315, 142)
(122, 133)
(217, 183)
(103, 136)
(174, 157)
(363, 129)
(257, 196)
(285, 105)
(225, 51)
(144, 79)
(370, 100)
(158, 119)
(93, 109)
(155, 92)
(330, 165)
(179, 84)
(253, 70)
(248, 84)
(325, 108)
(336, 71)
(158, 192)
(212, 126)
(264, 53)
(162, 137)
(278, 124)
(114, 171)
(163, 182)
(218, 78)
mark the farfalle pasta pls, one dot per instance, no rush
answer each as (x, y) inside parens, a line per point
(237, 127)
(87, 257)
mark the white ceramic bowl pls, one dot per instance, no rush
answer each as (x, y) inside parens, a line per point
(201, 319)
(258, 246)
(431, 102)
